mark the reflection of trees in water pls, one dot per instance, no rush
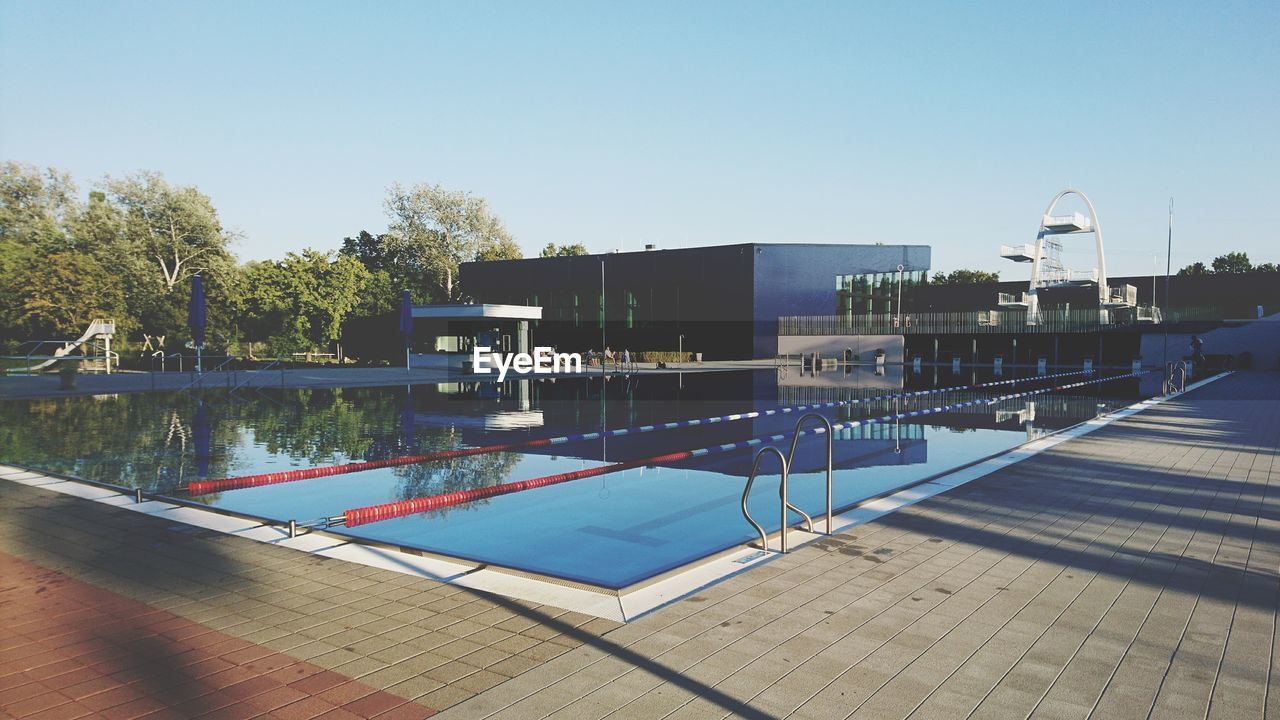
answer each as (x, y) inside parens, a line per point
(129, 440)
(148, 439)
(465, 473)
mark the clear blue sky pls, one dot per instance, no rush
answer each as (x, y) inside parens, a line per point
(681, 124)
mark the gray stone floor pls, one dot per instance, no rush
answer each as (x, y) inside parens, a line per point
(1129, 573)
(420, 640)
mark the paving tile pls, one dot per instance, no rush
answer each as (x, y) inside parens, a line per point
(1027, 565)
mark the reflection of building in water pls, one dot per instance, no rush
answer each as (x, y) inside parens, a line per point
(881, 431)
(846, 382)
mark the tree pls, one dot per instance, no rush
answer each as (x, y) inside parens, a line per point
(436, 230)
(1197, 268)
(500, 249)
(65, 291)
(388, 274)
(301, 301)
(371, 250)
(1266, 267)
(1232, 262)
(966, 277)
(553, 250)
(175, 228)
(35, 205)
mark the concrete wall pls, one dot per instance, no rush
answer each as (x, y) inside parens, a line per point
(1261, 339)
(833, 346)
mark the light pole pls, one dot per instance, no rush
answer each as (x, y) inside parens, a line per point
(602, 320)
(1168, 266)
(898, 324)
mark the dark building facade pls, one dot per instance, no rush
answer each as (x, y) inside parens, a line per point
(722, 301)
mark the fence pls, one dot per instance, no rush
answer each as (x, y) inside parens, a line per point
(1050, 320)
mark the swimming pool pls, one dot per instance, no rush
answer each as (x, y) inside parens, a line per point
(611, 531)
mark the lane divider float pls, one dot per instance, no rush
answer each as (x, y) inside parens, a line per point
(205, 487)
(401, 508)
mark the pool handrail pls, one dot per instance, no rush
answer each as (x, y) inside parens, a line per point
(782, 491)
(782, 496)
(199, 374)
(791, 457)
(1175, 377)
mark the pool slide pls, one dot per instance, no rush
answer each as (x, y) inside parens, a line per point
(205, 487)
(401, 508)
(97, 327)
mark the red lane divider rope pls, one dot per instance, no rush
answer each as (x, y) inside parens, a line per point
(401, 508)
(205, 487)
(387, 511)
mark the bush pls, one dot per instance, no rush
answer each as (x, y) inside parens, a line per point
(666, 356)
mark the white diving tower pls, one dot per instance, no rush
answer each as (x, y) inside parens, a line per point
(1047, 270)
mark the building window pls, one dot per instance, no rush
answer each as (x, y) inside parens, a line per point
(873, 293)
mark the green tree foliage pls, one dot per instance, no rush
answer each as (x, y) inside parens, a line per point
(66, 291)
(130, 250)
(389, 273)
(35, 207)
(553, 250)
(1228, 264)
(435, 230)
(966, 277)
(175, 229)
(302, 300)
(1232, 262)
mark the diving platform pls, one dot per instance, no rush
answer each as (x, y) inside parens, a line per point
(1014, 300)
(1023, 253)
(1064, 224)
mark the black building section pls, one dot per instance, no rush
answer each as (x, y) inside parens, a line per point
(722, 301)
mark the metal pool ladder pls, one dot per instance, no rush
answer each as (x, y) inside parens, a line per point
(785, 461)
(1175, 378)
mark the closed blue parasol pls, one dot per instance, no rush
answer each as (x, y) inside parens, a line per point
(409, 422)
(196, 316)
(202, 432)
(406, 323)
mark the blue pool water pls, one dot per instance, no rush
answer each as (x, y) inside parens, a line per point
(612, 530)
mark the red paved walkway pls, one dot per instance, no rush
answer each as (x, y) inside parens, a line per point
(69, 649)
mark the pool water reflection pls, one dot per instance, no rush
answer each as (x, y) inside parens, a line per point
(613, 530)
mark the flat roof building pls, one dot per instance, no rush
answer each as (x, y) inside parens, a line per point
(722, 301)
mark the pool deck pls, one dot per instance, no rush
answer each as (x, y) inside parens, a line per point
(1131, 572)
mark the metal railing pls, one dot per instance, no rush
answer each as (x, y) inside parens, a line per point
(278, 363)
(1049, 320)
(199, 376)
(782, 492)
(786, 462)
(1175, 377)
(791, 456)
